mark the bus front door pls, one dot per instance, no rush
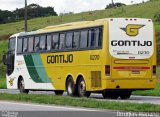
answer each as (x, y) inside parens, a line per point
(11, 56)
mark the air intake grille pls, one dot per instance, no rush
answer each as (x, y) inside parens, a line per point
(96, 79)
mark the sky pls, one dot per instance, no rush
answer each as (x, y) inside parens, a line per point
(64, 6)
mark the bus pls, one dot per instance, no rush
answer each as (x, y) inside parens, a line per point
(111, 56)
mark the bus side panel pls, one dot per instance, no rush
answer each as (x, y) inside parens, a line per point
(81, 64)
(25, 66)
(88, 63)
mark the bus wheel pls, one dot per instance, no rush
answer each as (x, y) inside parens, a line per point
(82, 89)
(21, 87)
(110, 95)
(70, 86)
(58, 92)
(125, 95)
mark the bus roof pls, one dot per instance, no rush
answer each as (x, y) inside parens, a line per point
(66, 26)
(61, 27)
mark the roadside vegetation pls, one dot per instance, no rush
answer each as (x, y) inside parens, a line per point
(143, 10)
(3, 48)
(155, 92)
(81, 102)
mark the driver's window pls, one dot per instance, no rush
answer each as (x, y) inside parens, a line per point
(12, 42)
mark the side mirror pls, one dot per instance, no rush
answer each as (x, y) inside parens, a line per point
(4, 59)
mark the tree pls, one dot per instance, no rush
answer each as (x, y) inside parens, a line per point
(115, 5)
(34, 10)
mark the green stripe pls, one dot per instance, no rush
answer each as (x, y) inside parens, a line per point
(31, 69)
(40, 68)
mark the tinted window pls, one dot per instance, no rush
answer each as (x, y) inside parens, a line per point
(48, 42)
(76, 39)
(12, 43)
(55, 41)
(19, 46)
(98, 37)
(91, 38)
(69, 40)
(83, 39)
(43, 42)
(36, 44)
(61, 42)
(25, 45)
(30, 44)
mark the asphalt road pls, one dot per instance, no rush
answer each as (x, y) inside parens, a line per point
(16, 109)
(19, 106)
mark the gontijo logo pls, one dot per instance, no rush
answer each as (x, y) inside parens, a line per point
(132, 29)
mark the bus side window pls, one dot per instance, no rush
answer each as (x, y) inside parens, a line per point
(36, 44)
(30, 44)
(43, 43)
(19, 45)
(69, 37)
(91, 38)
(98, 37)
(25, 44)
(61, 41)
(84, 39)
(76, 38)
(55, 40)
(48, 42)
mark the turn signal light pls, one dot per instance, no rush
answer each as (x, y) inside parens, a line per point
(107, 70)
(154, 70)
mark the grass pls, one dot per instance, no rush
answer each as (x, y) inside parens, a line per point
(155, 92)
(81, 102)
(3, 83)
(157, 27)
(145, 10)
(3, 47)
(158, 71)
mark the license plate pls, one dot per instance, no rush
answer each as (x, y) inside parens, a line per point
(135, 72)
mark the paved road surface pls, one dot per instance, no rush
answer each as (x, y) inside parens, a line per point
(39, 110)
(19, 109)
(19, 106)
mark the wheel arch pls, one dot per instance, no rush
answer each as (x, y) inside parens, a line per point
(18, 81)
(79, 77)
(68, 76)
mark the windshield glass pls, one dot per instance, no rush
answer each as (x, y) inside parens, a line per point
(12, 42)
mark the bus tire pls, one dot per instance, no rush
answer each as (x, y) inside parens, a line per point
(70, 86)
(21, 87)
(82, 89)
(125, 95)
